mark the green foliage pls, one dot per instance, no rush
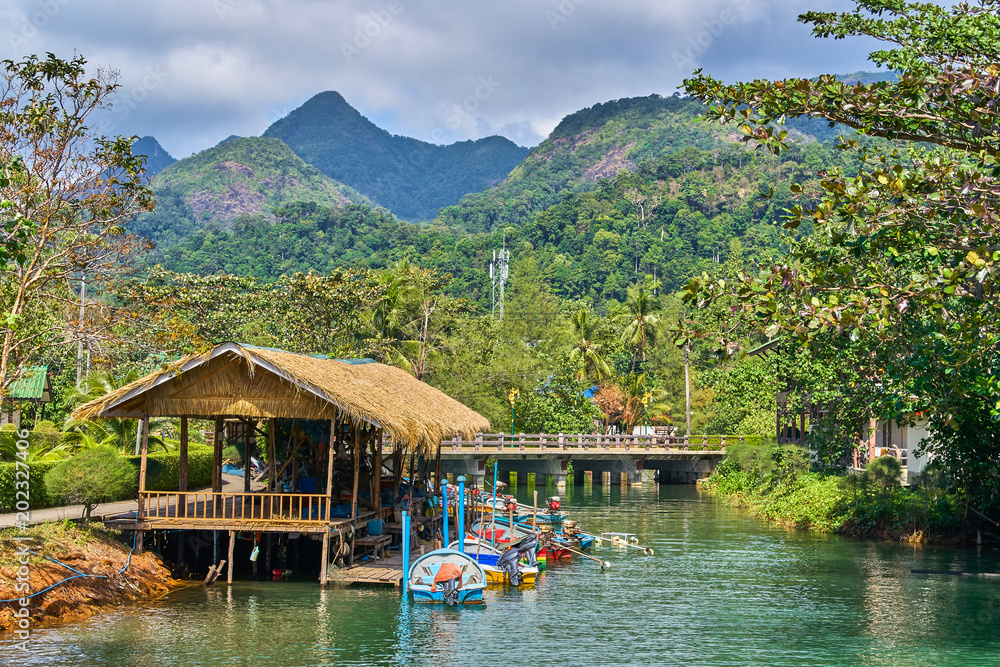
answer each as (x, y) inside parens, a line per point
(240, 177)
(38, 492)
(775, 483)
(96, 476)
(163, 468)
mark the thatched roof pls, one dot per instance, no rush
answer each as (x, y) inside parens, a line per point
(234, 380)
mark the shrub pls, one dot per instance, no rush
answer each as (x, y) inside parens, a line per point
(38, 495)
(95, 476)
(8, 442)
(163, 468)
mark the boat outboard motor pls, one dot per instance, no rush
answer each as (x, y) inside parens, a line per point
(553, 503)
(508, 563)
(450, 588)
(526, 548)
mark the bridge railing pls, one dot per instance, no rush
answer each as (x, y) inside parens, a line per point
(580, 442)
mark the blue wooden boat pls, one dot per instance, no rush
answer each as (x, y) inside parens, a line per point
(446, 576)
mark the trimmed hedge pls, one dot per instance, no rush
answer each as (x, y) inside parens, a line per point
(161, 475)
(162, 468)
(38, 494)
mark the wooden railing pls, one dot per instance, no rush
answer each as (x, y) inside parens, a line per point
(584, 442)
(207, 507)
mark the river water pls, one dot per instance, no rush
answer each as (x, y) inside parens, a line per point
(721, 589)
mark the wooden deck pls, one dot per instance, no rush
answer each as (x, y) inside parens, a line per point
(383, 572)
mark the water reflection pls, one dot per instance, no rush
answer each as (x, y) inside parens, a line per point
(721, 589)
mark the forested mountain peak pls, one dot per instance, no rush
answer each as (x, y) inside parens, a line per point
(157, 158)
(412, 178)
(243, 176)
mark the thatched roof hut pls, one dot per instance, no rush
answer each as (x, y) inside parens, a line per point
(234, 380)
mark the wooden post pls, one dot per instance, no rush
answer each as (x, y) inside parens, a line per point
(331, 454)
(182, 474)
(142, 465)
(437, 467)
(272, 454)
(357, 470)
(232, 545)
(377, 491)
(217, 456)
(248, 439)
(323, 563)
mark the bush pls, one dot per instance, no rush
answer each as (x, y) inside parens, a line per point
(38, 495)
(163, 468)
(95, 476)
(8, 442)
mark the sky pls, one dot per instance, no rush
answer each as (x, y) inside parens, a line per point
(193, 72)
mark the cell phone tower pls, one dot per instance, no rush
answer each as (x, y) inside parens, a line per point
(499, 270)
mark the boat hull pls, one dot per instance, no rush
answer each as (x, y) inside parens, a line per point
(471, 596)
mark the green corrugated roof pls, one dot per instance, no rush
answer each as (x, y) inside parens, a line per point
(34, 386)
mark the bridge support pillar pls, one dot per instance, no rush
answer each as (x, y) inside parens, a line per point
(635, 478)
(559, 479)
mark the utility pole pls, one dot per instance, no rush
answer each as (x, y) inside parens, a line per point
(79, 343)
(687, 386)
(499, 270)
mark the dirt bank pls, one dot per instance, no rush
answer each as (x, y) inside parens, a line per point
(93, 551)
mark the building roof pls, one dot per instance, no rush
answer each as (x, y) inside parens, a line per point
(33, 387)
(234, 380)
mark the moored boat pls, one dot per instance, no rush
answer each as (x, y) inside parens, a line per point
(446, 576)
(497, 572)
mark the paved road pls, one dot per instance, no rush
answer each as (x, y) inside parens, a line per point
(230, 484)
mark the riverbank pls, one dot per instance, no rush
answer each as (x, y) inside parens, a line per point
(846, 504)
(116, 575)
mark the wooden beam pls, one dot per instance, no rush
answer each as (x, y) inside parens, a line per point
(377, 477)
(330, 455)
(272, 453)
(182, 466)
(357, 470)
(217, 455)
(142, 464)
(437, 470)
(247, 452)
(324, 559)
(232, 545)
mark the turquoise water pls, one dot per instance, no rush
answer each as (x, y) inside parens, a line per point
(721, 589)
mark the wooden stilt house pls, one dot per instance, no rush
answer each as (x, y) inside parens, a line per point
(322, 416)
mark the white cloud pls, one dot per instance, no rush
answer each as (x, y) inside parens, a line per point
(234, 66)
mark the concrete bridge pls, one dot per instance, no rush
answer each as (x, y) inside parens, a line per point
(677, 459)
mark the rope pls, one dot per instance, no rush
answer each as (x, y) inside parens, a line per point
(72, 569)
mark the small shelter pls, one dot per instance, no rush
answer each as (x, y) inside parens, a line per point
(33, 387)
(315, 408)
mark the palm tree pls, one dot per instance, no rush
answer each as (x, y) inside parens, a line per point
(640, 321)
(585, 354)
(117, 433)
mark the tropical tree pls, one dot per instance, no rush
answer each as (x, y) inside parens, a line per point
(120, 434)
(640, 320)
(904, 254)
(67, 193)
(585, 353)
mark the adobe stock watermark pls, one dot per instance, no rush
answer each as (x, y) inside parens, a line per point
(224, 7)
(123, 103)
(712, 29)
(370, 28)
(45, 11)
(22, 504)
(456, 115)
(562, 12)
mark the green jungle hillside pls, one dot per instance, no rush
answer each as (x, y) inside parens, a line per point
(240, 177)
(412, 178)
